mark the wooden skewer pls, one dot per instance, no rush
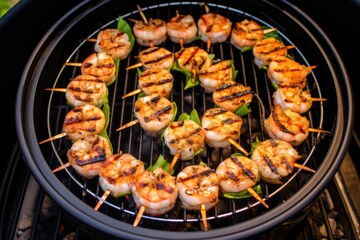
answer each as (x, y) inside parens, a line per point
(318, 130)
(102, 199)
(269, 30)
(60, 135)
(173, 162)
(142, 14)
(129, 124)
(61, 167)
(73, 64)
(56, 89)
(208, 46)
(132, 93)
(203, 216)
(255, 195)
(134, 66)
(304, 167)
(318, 99)
(238, 146)
(138, 216)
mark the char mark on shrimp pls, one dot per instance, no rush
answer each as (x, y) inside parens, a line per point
(245, 170)
(195, 175)
(271, 164)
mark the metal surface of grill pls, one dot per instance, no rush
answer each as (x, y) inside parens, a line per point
(146, 148)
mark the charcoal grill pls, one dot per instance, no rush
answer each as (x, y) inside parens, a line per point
(40, 115)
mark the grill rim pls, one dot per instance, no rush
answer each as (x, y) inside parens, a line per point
(24, 113)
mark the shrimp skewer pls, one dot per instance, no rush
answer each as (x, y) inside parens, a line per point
(117, 175)
(221, 125)
(184, 138)
(247, 33)
(84, 89)
(286, 72)
(239, 173)
(198, 189)
(181, 29)
(149, 33)
(99, 65)
(114, 43)
(154, 81)
(294, 98)
(156, 191)
(214, 73)
(232, 95)
(267, 49)
(86, 155)
(154, 57)
(80, 122)
(213, 28)
(275, 159)
(287, 125)
(154, 113)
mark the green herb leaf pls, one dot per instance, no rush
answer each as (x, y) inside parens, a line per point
(124, 27)
(243, 194)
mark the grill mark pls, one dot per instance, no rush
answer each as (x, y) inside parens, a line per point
(158, 113)
(205, 173)
(287, 164)
(235, 95)
(275, 116)
(159, 59)
(161, 82)
(271, 164)
(246, 170)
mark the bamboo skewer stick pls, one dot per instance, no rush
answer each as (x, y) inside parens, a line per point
(129, 124)
(136, 91)
(238, 146)
(134, 66)
(60, 135)
(102, 199)
(173, 162)
(255, 195)
(203, 216)
(304, 167)
(139, 215)
(61, 167)
(318, 130)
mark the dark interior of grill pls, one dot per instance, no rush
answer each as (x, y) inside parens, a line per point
(134, 140)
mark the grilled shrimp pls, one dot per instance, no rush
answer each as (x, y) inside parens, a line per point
(156, 57)
(267, 49)
(150, 33)
(232, 95)
(191, 58)
(154, 113)
(246, 33)
(294, 98)
(156, 80)
(219, 125)
(86, 155)
(185, 138)
(198, 185)
(181, 29)
(214, 73)
(114, 43)
(82, 121)
(285, 71)
(86, 89)
(287, 125)
(119, 172)
(156, 191)
(237, 173)
(100, 65)
(275, 159)
(214, 27)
